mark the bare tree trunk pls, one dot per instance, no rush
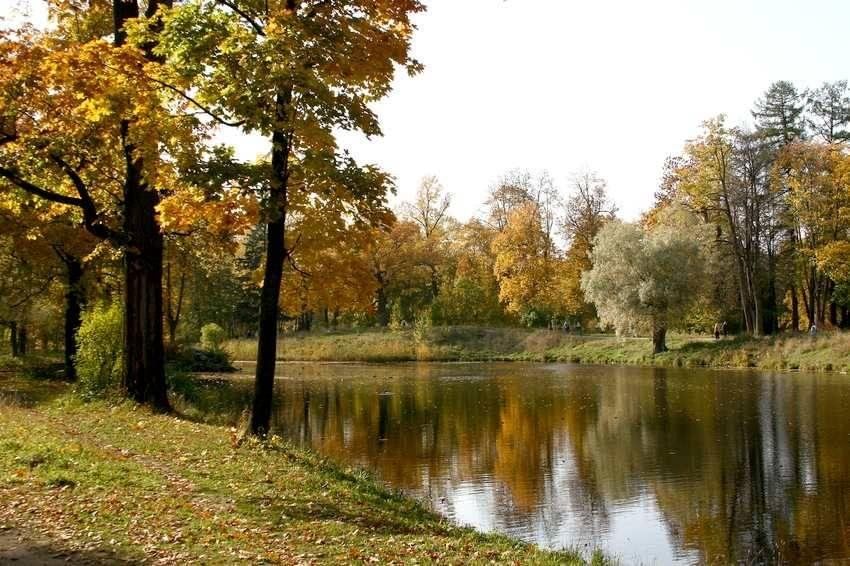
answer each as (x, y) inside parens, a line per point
(833, 314)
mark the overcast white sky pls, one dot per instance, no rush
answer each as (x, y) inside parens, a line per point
(565, 85)
(613, 85)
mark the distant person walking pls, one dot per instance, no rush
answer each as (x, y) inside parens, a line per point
(724, 328)
(717, 331)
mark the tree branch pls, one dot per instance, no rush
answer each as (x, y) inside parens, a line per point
(204, 109)
(244, 15)
(91, 218)
(22, 183)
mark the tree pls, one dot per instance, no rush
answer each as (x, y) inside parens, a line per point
(829, 109)
(644, 279)
(586, 211)
(724, 179)
(779, 114)
(296, 71)
(511, 191)
(816, 178)
(524, 264)
(470, 291)
(430, 211)
(393, 259)
(430, 207)
(91, 126)
(779, 121)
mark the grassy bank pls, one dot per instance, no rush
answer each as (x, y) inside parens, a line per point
(117, 480)
(827, 352)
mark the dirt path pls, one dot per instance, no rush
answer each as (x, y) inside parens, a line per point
(17, 547)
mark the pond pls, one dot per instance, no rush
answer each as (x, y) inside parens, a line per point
(650, 465)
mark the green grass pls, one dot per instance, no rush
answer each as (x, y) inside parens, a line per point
(156, 488)
(827, 352)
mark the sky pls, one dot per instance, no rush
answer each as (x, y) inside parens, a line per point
(613, 86)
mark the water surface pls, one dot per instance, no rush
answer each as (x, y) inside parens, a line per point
(656, 466)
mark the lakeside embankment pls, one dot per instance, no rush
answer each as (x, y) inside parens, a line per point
(826, 352)
(118, 482)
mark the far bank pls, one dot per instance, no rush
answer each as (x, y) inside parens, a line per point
(825, 352)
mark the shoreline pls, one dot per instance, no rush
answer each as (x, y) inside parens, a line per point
(113, 477)
(826, 353)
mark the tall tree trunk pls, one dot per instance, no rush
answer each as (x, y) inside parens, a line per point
(275, 255)
(770, 305)
(74, 299)
(267, 337)
(795, 310)
(435, 283)
(23, 342)
(659, 338)
(13, 339)
(382, 308)
(172, 311)
(144, 355)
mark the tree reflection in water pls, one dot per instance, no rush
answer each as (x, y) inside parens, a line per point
(651, 464)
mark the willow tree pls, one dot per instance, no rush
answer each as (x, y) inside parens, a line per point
(296, 72)
(646, 279)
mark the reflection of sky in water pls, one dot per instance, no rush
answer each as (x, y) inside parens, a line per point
(632, 531)
(652, 466)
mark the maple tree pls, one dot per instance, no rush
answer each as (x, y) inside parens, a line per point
(523, 263)
(90, 125)
(295, 71)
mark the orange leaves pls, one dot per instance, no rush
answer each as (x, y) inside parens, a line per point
(189, 209)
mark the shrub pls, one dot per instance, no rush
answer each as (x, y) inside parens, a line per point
(212, 337)
(422, 324)
(397, 321)
(193, 359)
(99, 349)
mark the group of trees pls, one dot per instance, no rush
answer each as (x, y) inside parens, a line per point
(105, 122)
(520, 263)
(748, 225)
(778, 196)
(112, 191)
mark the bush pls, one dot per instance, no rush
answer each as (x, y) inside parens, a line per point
(533, 318)
(397, 321)
(422, 324)
(212, 337)
(193, 359)
(99, 349)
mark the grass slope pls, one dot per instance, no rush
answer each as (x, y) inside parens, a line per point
(118, 479)
(827, 352)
